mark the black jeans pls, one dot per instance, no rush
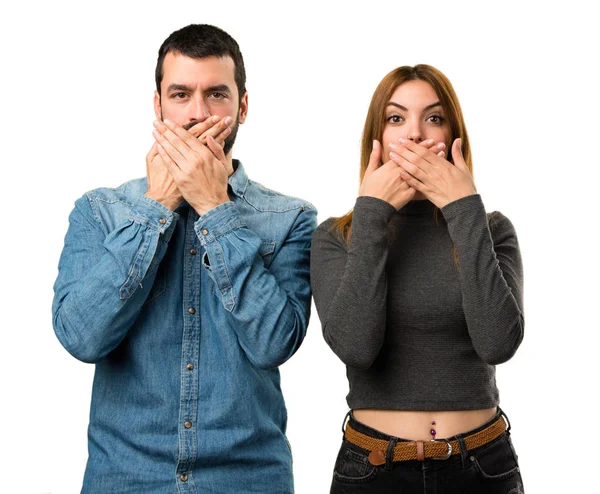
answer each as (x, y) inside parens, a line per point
(489, 469)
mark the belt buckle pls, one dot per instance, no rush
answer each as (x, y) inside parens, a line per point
(448, 454)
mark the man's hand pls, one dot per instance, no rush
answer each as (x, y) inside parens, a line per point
(200, 172)
(161, 186)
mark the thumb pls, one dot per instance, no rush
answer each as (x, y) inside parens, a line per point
(457, 156)
(375, 158)
(218, 151)
(152, 153)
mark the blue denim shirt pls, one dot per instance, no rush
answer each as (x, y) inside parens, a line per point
(187, 319)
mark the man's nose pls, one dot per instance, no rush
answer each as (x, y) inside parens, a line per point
(199, 111)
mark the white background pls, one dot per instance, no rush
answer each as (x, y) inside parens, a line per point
(77, 84)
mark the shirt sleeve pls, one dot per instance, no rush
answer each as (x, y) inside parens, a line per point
(269, 308)
(349, 283)
(491, 277)
(104, 277)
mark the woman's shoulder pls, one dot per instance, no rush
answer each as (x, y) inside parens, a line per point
(328, 230)
(327, 224)
(500, 225)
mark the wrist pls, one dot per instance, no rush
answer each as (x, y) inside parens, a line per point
(167, 201)
(205, 207)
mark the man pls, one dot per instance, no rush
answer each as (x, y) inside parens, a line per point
(187, 290)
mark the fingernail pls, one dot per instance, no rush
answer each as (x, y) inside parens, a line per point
(168, 122)
(393, 155)
(156, 123)
(403, 140)
(155, 133)
(429, 142)
(393, 146)
(228, 120)
(441, 145)
(215, 118)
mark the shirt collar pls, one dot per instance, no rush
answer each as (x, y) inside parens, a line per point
(239, 180)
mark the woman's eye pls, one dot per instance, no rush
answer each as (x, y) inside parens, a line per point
(394, 119)
(437, 119)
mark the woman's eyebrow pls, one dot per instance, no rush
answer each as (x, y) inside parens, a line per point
(428, 107)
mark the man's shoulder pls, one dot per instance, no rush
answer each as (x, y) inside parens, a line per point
(127, 192)
(268, 200)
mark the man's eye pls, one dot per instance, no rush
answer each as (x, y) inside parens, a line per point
(394, 119)
(217, 95)
(178, 95)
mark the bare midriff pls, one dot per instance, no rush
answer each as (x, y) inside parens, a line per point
(419, 425)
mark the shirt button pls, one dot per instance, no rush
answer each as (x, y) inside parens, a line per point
(193, 252)
(187, 424)
(191, 310)
(189, 366)
(162, 221)
(204, 231)
(183, 477)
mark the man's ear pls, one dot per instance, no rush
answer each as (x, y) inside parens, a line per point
(157, 108)
(243, 108)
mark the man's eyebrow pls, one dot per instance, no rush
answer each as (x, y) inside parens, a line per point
(428, 107)
(219, 87)
(178, 87)
(211, 89)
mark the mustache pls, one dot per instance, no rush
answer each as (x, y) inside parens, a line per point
(189, 125)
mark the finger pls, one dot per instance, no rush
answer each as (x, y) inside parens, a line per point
(457, 156)
(217, 149)
(412, 181)
(172, 167)
(418, 150)
(410, 167)
(152, 153)
(201, 127)
(374, 158)
(219, 131)
(179, 137)
(223, 135)
(428, 144)
(173, 152)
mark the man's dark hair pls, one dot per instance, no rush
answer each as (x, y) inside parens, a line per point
(202, 41)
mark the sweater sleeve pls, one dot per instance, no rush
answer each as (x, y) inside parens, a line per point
(491, 277)
(349, 282)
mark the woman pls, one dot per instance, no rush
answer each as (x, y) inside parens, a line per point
(419, 292)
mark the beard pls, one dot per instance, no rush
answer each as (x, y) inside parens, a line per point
(229, 140)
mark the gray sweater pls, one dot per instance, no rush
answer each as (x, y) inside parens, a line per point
(416, 330)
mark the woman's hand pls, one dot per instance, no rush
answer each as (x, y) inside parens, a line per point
(439, 180)
(385, 181)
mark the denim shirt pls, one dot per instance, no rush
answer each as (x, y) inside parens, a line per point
(187, 319)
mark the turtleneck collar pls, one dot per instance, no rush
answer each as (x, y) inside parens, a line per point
(418, 207)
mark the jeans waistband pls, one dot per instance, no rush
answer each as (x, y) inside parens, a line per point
(365, 429)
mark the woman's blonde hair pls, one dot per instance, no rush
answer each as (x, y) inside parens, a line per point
(375, 122)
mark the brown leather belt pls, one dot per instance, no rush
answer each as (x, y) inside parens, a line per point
(440, 449)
